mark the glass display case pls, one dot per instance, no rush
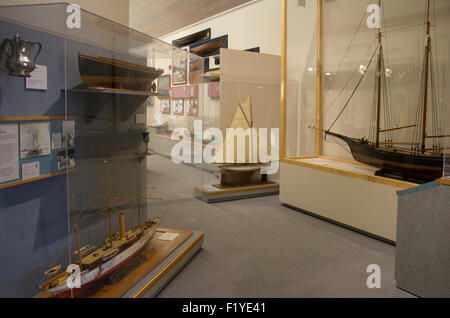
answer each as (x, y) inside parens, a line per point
(241, 128)
(84, 211)
(363, 107)
(377, 95)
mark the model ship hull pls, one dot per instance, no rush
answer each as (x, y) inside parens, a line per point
(110, 73)
(208, 47)
(91, 276)
(190, 39)
(407, 165)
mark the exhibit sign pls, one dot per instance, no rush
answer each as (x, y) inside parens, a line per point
(9, 153)
(30, 170)
(38, 78)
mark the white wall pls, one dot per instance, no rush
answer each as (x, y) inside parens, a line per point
(257, 23)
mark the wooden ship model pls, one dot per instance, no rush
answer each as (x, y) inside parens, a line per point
(119, 248)
(111, 74)
(420, 159)
(246, 171)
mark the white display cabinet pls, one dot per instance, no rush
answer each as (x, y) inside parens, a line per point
(353, 125)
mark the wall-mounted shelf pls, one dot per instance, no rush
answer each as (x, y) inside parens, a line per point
(35, 118)
(46, 176)
(104, 90)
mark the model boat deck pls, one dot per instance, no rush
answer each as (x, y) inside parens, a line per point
(116, 244)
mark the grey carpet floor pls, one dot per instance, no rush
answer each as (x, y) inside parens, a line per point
(259, 248)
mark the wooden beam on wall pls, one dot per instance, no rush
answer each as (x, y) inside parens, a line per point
(319, 80)
(283, 79)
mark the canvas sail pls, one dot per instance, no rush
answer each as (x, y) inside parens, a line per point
(233, 151)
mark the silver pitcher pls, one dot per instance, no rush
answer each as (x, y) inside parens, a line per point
(19, 61)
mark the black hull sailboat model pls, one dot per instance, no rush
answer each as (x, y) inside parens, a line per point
(408, 165)
(421, 159)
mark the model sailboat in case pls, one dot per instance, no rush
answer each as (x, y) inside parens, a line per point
(421, 158)
(240, 163)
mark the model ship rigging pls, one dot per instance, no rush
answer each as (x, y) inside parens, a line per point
(422, 158)
(118, 249)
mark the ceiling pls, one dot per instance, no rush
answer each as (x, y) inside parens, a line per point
(161, 17)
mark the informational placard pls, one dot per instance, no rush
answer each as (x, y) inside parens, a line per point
(168, 236)
(9, 153)
(30, 170)
(38, 79)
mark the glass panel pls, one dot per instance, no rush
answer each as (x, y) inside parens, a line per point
(103, 197)
(301, 79)
(241, 125)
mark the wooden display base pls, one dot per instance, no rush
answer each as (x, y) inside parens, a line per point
(211, 193)
(253, 184)
(148, 273)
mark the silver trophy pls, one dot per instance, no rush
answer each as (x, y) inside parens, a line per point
(18, 52)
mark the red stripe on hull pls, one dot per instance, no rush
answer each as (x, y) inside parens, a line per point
(75, 292)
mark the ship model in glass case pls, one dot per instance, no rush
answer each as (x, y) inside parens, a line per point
(119, 248)
(419, 159)
(105, 73)
(240, 163)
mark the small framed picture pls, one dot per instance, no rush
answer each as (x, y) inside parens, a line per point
(35, 139)
(179, 70)
(178, 106)
(165, 106)
(164, 85)
(192, 106)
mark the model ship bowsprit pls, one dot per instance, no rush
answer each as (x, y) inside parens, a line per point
(422, 158)
(119, 248)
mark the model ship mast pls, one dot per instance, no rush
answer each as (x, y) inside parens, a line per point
(109, 198)
(75, 227)
(425, 93)
(380, 56)
(139, 196)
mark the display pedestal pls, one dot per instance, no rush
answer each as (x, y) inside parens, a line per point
(344, 192)
(154, 267)
(211, 194)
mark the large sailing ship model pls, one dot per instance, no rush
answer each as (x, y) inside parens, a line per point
(119, 248)
(240, 163)
(420, 159)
